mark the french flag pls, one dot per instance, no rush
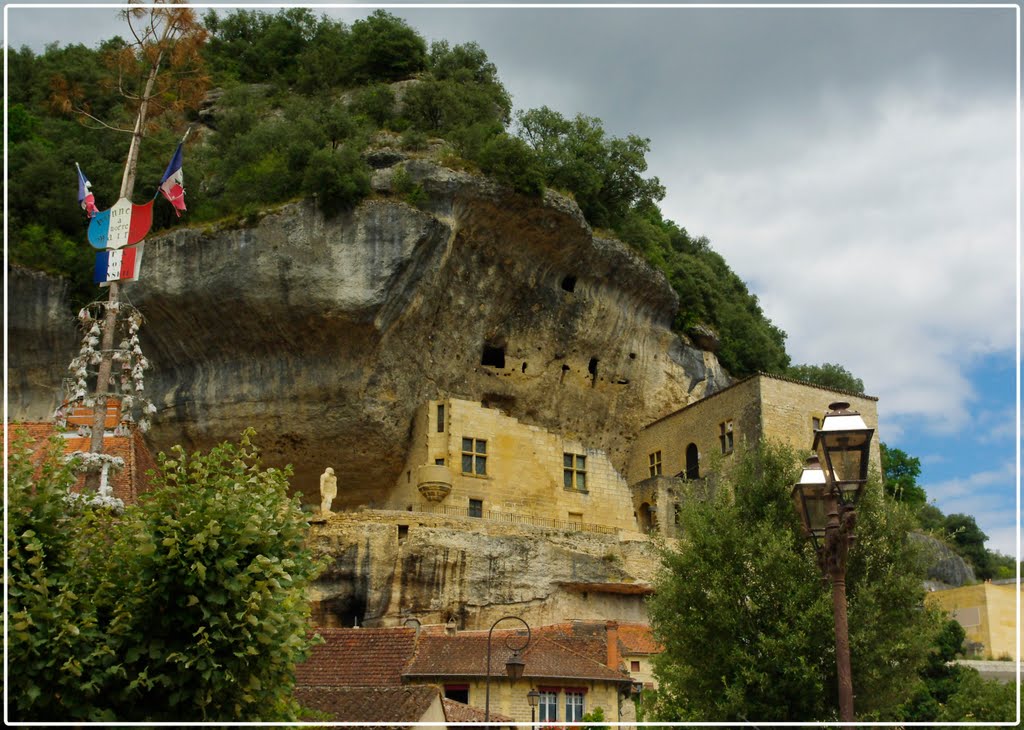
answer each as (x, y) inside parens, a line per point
(118, 264)
(172, 183)
(123, 225)
(85, 196)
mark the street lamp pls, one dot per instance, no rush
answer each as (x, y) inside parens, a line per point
(533, 697)
(514, 665)
(825, 497)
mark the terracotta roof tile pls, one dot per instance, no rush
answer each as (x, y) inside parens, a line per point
(399, 705)
(458, 712)
(637, 639)
(357, 658)
(465, 654)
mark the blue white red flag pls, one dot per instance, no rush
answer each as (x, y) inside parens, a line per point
(85, 196)
(119, 264)
(123, 225)
(172, 183)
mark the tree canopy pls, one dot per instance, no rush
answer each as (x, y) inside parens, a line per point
(827, 375)
(747, 622)
(190, 606)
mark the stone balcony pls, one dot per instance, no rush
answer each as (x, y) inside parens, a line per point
(434, 482)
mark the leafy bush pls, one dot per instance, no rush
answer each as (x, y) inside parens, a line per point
(189, 607)
(511, 161)
(338, 179)
(384, 48)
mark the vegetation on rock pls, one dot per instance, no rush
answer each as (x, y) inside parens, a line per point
(302, 98)
(827, 375)
(190, 606)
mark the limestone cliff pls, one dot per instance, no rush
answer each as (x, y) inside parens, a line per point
(325, 335)
(383, 567)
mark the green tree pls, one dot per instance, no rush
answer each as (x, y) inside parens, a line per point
(747, 622)
(827, 375)
(899, 475)
(384, 48)
(970, 542)
(604, 174)
(190, 606)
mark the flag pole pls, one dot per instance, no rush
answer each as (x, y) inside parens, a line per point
(93, 478)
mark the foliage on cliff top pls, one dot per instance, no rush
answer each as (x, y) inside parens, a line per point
(191, 606)
(304, 96)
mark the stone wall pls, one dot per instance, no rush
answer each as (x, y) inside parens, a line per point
(700, 424)
(510, 699)
(788, 409)
(386, 566)
(762, 406)
(988, 613)
(523, 464)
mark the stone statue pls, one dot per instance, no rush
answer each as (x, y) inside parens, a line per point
(328, 489)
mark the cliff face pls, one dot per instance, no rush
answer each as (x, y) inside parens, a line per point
(383, 567)
(325, 335)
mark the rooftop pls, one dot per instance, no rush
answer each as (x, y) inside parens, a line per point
(357, 658)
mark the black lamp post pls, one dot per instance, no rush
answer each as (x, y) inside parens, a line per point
(533, 697)
(514, 665)
(825, 498)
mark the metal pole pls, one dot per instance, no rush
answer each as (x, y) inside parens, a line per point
(487, 681)
(837, 545)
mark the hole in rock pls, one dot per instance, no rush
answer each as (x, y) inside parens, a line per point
(493, 357)
(569, 283)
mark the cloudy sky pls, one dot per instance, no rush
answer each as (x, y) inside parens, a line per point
(857, 167)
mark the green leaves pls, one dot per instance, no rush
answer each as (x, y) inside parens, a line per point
(189, 607)
(747, 622)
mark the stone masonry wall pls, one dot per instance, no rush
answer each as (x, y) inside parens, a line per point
(699, 424)
(524, 469)
(788, 409)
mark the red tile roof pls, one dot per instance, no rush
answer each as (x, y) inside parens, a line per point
(399, 705)
(465, 654)
(357, 658)
(458, 712)
(637, 639)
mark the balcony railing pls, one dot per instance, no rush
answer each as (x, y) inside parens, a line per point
(512, 518)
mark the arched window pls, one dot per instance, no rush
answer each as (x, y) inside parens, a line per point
(692, 462)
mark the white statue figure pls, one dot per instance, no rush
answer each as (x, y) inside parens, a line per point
(328, 489)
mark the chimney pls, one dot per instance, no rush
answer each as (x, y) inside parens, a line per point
(612, 632)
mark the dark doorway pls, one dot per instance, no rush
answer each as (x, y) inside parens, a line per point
(692, 462)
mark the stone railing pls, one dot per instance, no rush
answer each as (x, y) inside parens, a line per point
(511, 518)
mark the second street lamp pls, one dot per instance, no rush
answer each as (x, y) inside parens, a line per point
(514, 665)
(829, 487)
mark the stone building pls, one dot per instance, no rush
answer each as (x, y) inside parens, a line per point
(396, 674)
(988, 613)
(468, 460)
(686, 445)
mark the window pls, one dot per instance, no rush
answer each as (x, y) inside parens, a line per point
(692, 462)
(476, 508)
(439, 462)
(634, 666)
(573, 706)
(576, 519)
(440, 418)
(474, 456)
(575, 471)
(815, 423)
(725, 436)
(457, 692)
(548, 707)
(654, 462)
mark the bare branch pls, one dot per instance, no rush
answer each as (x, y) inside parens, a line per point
(84, 113)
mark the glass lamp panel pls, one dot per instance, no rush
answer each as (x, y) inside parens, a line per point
(514, 667)
(843, 443)
(813, 501)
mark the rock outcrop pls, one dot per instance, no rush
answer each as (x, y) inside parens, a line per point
(945, 567)
(325, 335)
(384, 567)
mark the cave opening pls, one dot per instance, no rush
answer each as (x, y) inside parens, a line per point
(493, 357)
(592, 369)
(569, 283)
